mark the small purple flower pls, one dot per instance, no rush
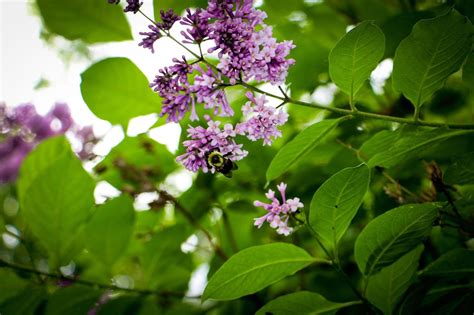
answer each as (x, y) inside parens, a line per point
(263, 122)
(278, 213)
(167, 20)
(207, 90)
(114, 1)
(199, 27)
(204, 140)
(150, 38)
(132, 6)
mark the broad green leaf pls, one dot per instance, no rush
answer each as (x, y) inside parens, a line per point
(26, 302)
(435, 49)
(380, 142)
(336, 202)
(392, 234)
(164, 265)
(300, 145)
(56, 202)
(10, 285)
(411, 144)
(115, 89)
(301, 303)
(468, 71)
(109, 230)
(89, 20)
(461, 172)
(386, 288)
(355, 56)
(255, 268)
(458, 262)
(136, 158)
(73, 300)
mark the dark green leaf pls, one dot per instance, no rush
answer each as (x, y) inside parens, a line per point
(336, 202)
(301, 303)
(411, 144)
(468, 71)
(461, 172)
(380, 142)
(393, 234)
(89, 20)
(117, 91)
(255, 268)
(355, 56)
(10, 285)
(110, 229)
(386, 288)
(300, 145)
(74, 300)
(25, 303)
(57, 201)
(456, 263)
(435, 49)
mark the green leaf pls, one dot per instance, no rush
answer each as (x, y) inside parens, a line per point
(117, 91)
(110, 229)
(163, 263)
(89, 20)
(300, 145)
(435, 49)
(355, 56)
(10, 285)
(386, 288)
(56, 202)
(301, 303)
(25, 303)
(393, 234)
(336, 202)
(458, 262)
(255, 268)
(468, 71)
(73, 300)
(380, 142)
(409, 145)
(461, 172)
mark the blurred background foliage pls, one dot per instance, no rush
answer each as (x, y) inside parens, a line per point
(144, 257)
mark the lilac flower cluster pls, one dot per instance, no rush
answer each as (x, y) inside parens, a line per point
(22, 128)
(278, 213)
(205, 140)
(263, 122)
(167, 20)
(132, 5)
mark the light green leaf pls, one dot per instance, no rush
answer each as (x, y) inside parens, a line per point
(109, 230)
(336, 202)
(10, 285)
(57, 201)
(302, 303)
(89, 20)
(117, 91)
(255, 268)
(386, 288)
(468, 71)
(435, 49)
(73, 300)
(458, 262)
(300, 145)
(461, 172)
(409, 145)
(392, 234)
(355, 56)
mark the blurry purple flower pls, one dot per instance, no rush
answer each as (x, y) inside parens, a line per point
(205, 140)
(199, 27)
(132, 6)
(150, 38)
(63, 114)
(278, 213)
(114, 1)
(167, 20)
(263, 122)
(104, 298)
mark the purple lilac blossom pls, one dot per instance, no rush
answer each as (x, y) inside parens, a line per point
(168, 18)
(263, 121)
(149, 38)
(133, 6)
(204, 140)
(199, 27)
(22, 128)
(278, 213)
